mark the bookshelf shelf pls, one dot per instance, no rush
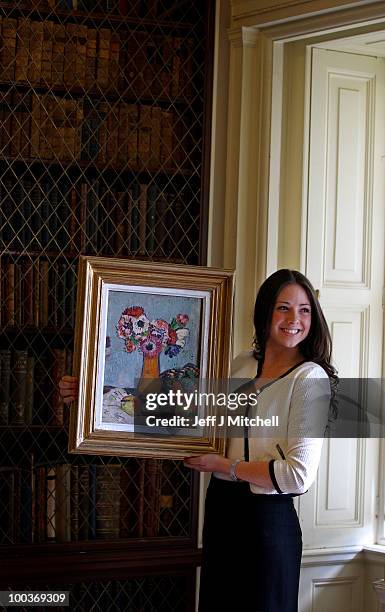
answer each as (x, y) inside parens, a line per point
(104, 150)
(93, 560)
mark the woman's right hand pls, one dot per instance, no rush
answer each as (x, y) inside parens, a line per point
(69, 389)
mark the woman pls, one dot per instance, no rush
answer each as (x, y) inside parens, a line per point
(252, 542)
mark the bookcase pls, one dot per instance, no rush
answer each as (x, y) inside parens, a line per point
(104, 150)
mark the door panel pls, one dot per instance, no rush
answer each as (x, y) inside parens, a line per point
(345, 261)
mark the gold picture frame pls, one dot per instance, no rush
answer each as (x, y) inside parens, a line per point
(130, 315)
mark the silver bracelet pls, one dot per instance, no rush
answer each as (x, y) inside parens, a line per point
(233, 474)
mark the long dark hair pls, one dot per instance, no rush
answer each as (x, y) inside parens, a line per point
(317, 346)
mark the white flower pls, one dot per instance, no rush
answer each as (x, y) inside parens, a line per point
(140, 325)
(181, 335)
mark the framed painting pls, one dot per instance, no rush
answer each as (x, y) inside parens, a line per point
(145, 330)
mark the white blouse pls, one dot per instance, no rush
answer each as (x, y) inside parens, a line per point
(300, 399)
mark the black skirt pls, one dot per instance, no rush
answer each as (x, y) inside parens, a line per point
(252, 547)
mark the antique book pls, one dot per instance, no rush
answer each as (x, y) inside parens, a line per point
(18, 387)
(23, 56)
(29, 390)
(107, 501)
(5, 382)
(63, 502)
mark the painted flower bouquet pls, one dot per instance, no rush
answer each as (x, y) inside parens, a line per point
(152, 337)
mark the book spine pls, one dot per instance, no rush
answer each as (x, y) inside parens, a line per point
(107, 501)
(74, 501)
(126, 517)
(29, 386)
(156, 118)
(161, 226)
(25, 503)
(5, 382)
(167, 57)
(18, 298)
(84, 502)
(23, 51)
(152, 196)
(81, 55)
(70, 55)
(120, 222)
(36, 52)
(167, 511)
(152, 497)
(10, 294)
(113, 133)
(58, 54)
(44, 293)
(70, 295)
(63, 503)
(132, 137)
(144, 136)
(92, 503)
(8, 50)
(143, 219)
(91, 54)
(103, 58)
(7, 122)
(14, 147)
(114, 61)
(35, 125)
(166, 133)
(42, 392)
(140, 500)
(102, 132)
(47, 50)
(25, 126)
(36, 293)
(134, 195)
(50, 505)
(28, 292)
(18, 387)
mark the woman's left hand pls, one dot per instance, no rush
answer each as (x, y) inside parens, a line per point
(208, 463)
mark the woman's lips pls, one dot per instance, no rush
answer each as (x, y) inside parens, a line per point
(289, 331)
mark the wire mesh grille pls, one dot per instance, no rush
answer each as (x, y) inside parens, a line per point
(151, 594)
(101, 152)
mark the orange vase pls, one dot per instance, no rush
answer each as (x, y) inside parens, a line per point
(149, 379)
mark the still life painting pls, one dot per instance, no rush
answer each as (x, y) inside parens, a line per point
(144, 326)
(148, 337)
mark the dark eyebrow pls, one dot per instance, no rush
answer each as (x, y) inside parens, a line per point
(283, 302)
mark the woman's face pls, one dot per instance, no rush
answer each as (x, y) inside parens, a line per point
(291, 318)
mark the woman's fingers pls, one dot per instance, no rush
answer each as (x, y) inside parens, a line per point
(202, 463)
(69, 388)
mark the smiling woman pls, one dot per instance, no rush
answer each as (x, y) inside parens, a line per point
(249, 511)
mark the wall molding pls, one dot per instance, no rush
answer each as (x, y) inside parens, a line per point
(371, 553)
(320, 557)
(260, 12)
